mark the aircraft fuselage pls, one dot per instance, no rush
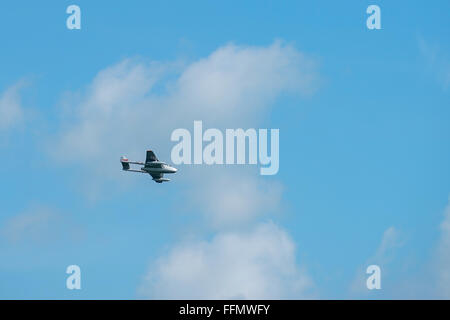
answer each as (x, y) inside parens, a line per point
(163, 169)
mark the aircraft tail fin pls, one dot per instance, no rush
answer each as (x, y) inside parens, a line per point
(151, 157)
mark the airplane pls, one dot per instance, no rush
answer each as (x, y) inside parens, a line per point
(152, 166)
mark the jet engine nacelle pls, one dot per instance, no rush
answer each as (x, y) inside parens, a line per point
(161, 180)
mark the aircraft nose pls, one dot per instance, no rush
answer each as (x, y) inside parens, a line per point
(174, 170)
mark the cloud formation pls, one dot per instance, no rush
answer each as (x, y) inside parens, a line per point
(437, 61)
(11, 110)
(229, 200)
(259, 264)
(38, 225)
(385, 253)
(132, 106)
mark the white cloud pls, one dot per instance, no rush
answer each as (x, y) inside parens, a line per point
(430, 281)
(11, 110)
(238, 82)
(38, 225)
(390, 242)
(437, 61)
(233, 199)
(257, 264)
(132, 106)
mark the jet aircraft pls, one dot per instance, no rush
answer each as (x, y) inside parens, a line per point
(152, 166)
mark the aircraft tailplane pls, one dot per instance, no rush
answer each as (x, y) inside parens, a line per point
(125, 164)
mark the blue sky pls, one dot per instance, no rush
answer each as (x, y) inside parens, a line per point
(364, 134)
